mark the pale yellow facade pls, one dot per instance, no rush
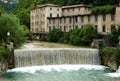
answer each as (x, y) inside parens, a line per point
(46, 17)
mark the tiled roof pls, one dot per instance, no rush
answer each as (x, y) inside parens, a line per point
(45, 5)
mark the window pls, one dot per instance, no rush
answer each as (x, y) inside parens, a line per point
(112, 17)
(104, 17)
(50, 28)
(76, 27)
(32, 24)
(73, 9)
(53, 21)
(50, 8)
(76, 19)
(68, 10)
(64, 28)
(60, 27)
(50, 15)
(96, 18)
(53, 27)
(57, 9)
(82, 19)
(112, 27)
(63, 10)
(96, 27)
(69, 28)
(36, 23)
(82, 26)
(64, 20)
(57, 15)
(89, 18)
(49, 21)
(103, 28)
(60, 20)
(70, 19)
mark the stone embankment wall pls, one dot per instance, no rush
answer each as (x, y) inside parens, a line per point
(109, 63)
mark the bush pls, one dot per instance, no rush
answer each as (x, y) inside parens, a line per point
(112, 38)
(66, 37)
(111, 54)
(10, 23)
(75, 37)
(3, 52)
(88, 33)
(103, 9)
(55, 35)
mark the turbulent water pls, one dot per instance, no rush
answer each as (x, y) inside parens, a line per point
(59, 64)
(62, 73)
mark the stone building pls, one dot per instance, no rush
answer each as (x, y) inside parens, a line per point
(46, 17)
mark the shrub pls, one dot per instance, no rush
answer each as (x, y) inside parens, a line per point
(88, 33)
(55, 35)
(103, 9)
(3, 52)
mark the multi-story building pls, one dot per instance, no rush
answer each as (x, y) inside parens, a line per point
(46, 17)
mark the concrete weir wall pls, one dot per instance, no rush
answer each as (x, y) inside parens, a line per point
(53, 56)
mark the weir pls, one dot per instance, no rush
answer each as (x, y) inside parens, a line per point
(56, 56)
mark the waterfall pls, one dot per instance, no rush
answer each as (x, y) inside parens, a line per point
(53, 56)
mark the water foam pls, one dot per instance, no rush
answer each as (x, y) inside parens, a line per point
(116, 74)
(47, 68)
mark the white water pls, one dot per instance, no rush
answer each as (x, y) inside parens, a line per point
(47, 68)
(116, 74)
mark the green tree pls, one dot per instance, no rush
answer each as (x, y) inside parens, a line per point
(3, 52)
(1, 10)
(112, 38)
(10, 23)
(75, 37)
(88, 33)
(55, 35)
(24, 16)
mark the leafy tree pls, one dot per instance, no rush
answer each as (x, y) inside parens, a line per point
(2, 10)
(10, 23)
(103, 9)
(24, 16)
(65, 38)
(3, 52)
(75, 37)
(88, 33)
(55, 35)
(112, 38)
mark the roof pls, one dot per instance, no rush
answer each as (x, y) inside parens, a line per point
(74, 6)
(47, 5)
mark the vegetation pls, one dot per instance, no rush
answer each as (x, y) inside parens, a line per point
(10, 23)
(112, 39)
(3, 52)
(24, 16)
(111, 54)
(54, 35)
(78, 37)
(103, 9)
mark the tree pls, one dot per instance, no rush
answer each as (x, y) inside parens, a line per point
(3, 52)
(88, 33)
(10, 23)
(75, 37)
(24, 16)
(55, 35)
(112, 38)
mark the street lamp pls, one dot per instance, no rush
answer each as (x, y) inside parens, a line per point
(8, 33)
